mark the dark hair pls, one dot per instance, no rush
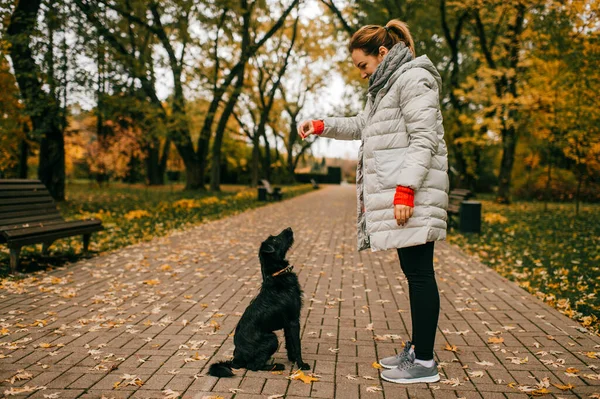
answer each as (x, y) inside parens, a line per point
(370, 37)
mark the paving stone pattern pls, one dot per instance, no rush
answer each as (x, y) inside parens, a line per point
(150, 318)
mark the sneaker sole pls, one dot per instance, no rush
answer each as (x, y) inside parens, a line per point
(388, 367)
(433, 378)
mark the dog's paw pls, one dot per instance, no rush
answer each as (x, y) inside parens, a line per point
(277, 367)
(304, 366)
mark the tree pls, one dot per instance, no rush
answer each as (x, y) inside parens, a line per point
(42, 107)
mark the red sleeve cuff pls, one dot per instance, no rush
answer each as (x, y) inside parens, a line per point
(318, 126)
(404, 196)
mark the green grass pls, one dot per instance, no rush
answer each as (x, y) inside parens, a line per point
(134, 213)
(553, 254)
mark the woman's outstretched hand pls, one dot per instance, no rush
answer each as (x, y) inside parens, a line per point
(305, 129)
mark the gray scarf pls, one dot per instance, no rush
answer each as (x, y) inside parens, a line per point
(398, 55)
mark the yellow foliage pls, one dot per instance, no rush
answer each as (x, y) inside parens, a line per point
(186, 203)
(493, 218)
(137, 214)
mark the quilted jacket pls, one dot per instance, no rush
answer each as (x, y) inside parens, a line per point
(402, 144)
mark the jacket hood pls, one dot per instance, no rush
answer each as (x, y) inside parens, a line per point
(420, 62)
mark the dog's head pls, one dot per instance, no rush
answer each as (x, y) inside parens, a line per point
(273, 250)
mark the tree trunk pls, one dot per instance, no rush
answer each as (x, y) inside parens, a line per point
(42, 108)
(194, 175)
(509, 142)
(153, 176)
(267, 157)
(23, 154)
(255, 160)
(215, 180)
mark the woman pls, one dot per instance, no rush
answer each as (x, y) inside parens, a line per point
(401, 179)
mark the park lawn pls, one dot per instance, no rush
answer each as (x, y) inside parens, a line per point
(553, 254)
(134, 213)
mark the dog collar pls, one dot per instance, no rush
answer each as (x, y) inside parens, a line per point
(285, 270)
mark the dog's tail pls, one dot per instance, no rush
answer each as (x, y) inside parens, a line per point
(221, 369)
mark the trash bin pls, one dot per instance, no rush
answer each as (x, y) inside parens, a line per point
(470, 217)
(262, 194)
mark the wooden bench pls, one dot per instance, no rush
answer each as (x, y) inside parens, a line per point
(455, 198)
(28, 215)
(272, 192)
(315, 185)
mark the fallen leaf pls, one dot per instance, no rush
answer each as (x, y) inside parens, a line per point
(299, 375)
(377, 365)
(476, 374)
(495, 340)
(170, 394)
(485, 363)
(373, 389)
(564, 387)
(451, 348)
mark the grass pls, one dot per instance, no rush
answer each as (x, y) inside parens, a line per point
(552, 253)
(135, 213)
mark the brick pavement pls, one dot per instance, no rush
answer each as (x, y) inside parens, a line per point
(150, 318)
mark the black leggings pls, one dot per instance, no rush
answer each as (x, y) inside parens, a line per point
(417, 265)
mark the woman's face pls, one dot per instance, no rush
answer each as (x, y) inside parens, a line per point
(367, 64)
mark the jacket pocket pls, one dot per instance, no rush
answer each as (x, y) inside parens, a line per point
(388, 164)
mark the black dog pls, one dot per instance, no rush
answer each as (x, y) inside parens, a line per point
(276, 307)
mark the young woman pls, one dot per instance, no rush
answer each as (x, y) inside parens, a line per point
(401, 178)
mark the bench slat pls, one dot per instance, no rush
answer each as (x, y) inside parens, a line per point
(25, 207)
(29, 220)
(23, 193)
(21, 186)
(24, 181)
(31, 224)
(49, 228)
(27, 200)
(48, 237)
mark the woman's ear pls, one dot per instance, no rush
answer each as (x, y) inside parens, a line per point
(383, 51)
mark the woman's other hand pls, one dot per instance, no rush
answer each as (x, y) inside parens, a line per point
(402, 213)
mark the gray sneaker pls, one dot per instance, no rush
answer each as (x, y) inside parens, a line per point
(394, 361)
(410, 373)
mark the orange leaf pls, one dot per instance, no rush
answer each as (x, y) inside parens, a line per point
(307, 379)
(451, 348)
(564, 387)
(495, 340)
(572, 370)
(376, 366)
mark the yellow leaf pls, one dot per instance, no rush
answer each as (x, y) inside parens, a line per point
(592, 355)
(376, 365)
(45, 345)
(495, 340)
(572, 370)
(116, 385)
(152, 282)
(564, 387)
(539, 392)
(451, 348)
(307, 379)
(215, 325)
(165, 268)
(4, 331)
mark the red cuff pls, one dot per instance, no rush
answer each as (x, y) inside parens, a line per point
(404, 196)
(318, 126)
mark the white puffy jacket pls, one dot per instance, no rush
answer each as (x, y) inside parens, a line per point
(402, 144)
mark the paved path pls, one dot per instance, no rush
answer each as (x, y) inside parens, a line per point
(150, 318)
